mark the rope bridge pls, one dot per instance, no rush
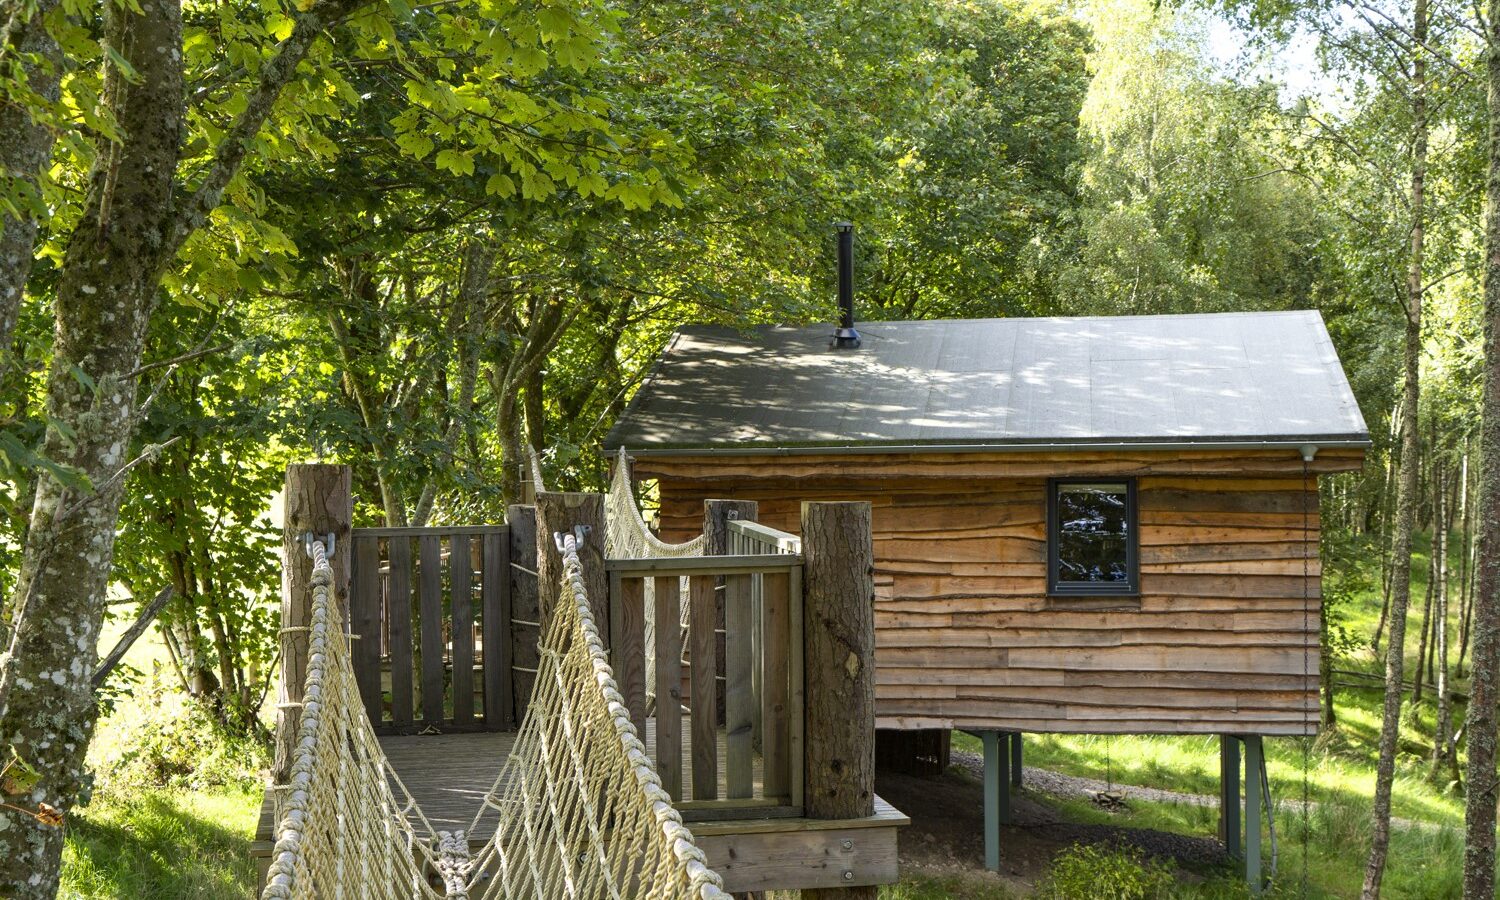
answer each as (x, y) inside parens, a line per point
(578, 808)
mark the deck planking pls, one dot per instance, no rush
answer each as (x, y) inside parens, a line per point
(448, 775)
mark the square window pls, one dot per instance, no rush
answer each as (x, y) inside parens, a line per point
(1091, 537)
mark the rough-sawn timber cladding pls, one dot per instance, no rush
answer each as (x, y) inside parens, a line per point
(1223, 637)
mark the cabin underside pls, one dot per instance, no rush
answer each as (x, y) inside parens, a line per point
(1222, 636)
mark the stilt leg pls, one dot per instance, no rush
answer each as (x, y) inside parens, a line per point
(994, 779)
(1015, 759)
(1255, 761)
(1229, 794)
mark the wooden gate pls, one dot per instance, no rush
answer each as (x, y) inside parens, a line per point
(446, 624)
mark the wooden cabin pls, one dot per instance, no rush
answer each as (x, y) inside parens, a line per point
(1081, 525)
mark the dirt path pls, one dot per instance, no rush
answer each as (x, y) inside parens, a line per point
(1074, 787)
(946, 837)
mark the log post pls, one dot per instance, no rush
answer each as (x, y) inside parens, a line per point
(716, 517)
(318, 499)
(563, 512)
(839, 637)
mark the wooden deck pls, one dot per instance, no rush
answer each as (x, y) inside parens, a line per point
(449, 774)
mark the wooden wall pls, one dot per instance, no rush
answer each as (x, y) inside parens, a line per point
(1223, 638)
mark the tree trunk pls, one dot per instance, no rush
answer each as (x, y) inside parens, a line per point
(1442, 756)
(1479, 805)
(1419, 675)
(1390, 490)
(104, 301)
(129, 231)
(839, 616)
(25, 148)
(1390, 725)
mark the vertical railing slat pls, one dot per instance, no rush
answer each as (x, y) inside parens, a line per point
(797, 691)
(739, 696)
(702, 612)
(398, 621)
(460, 577)
(627, 629)
(364, 620)
(495, 600)
(775, 603)
(430, 593)
(669, 685)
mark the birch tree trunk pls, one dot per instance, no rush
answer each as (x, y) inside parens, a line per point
(1390, 726)
(1442, 757)
(1479, 804)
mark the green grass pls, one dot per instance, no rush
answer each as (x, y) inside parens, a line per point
(163, 843)
(174, 808)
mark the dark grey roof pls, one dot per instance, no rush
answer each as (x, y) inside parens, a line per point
(1229, 378)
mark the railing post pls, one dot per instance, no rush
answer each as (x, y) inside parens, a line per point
(716, 517)
(317, 499)
(839, 660)
(564, 512)
(525, 609)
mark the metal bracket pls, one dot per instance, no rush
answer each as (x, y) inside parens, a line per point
(580, 534)
(327, 541)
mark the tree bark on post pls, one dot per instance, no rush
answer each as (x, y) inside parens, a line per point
(716, 517)
(318, 499)
(839, 635)
(1479, 803)
(563, 512)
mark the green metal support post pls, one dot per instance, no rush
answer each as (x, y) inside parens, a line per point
(1229, 794)
(1255, 762)
(996, 793)
(1015, 759)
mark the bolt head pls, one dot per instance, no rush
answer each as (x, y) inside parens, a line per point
(848, 875)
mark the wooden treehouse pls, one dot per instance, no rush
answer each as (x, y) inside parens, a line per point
(447, 623)
(1090, 525)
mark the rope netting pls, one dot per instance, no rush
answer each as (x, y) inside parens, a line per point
(629, 537)
(577, 811)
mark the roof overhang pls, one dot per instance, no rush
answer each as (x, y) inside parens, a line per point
(1359, 442)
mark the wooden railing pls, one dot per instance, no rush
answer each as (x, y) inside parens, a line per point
(446, 620)
(753, 537)
(753, 778)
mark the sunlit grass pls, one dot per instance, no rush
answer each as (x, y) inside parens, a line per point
(183, 845)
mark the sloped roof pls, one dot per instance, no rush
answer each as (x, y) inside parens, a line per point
(1260, 378)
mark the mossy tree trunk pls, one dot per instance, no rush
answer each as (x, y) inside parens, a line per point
(133, 221)
(25, 147)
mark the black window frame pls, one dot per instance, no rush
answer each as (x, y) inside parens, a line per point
(1132, 585)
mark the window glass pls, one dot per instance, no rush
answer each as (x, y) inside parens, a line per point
(1091, 534)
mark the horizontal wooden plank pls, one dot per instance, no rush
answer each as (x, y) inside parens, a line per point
(666, 567)
(434, 530)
